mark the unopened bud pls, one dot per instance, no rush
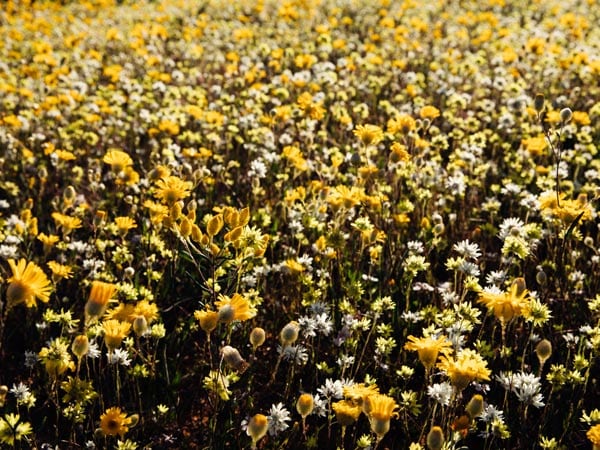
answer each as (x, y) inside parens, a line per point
(257, 337)
(305, 405)
(538, 102)
(475, 406)
(435, 438)
(257, 428)
(289, 333)
(543, 350)
(80, 346)
(140, 325)
(566, 115)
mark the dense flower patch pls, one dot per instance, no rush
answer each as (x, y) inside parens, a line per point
(299, 224)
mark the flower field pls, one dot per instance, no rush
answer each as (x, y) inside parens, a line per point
(299, 224)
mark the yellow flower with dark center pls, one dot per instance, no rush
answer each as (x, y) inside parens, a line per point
(466, 366)
(429, 348)
(124, 224)
(429, 112)
(380, 409)
(506, 305)
(171, 189)
(114, 332)
(399, 152)
(114, 422)
(60, 270)
(117, 159)
(66, 223)
(28, 283)
(100, 295)
(234, 308)
(401, 124)
(369, 134)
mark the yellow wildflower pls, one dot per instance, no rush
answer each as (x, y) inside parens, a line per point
(114, 422)
(28, 283)
(429, 348)
(466, 366)
(234, 308)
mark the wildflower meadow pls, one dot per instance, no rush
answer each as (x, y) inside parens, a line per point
(300, 224)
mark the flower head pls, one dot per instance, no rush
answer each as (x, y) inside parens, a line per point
(207, 319)
(114, 332)
(380, 409)
(124, 224)
(369, 134)
(593, 434)
(429, 348)
(114, 422)
(506, 305)
(117, 159)
(28, 283)
(60, 270)
(466, 366)
(429, 112)
(100, 295)
(233, 308)
(346, 412)
(66, 223)
(56, 357)
(358, 393)
(170, 189)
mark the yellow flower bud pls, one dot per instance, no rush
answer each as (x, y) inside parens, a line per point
(257, 337)
(257, 428)
(305, 405)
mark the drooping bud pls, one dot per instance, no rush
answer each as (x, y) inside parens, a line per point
(233, 359)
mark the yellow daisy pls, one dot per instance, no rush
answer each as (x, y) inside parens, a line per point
(27, 284)
(114, 422)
